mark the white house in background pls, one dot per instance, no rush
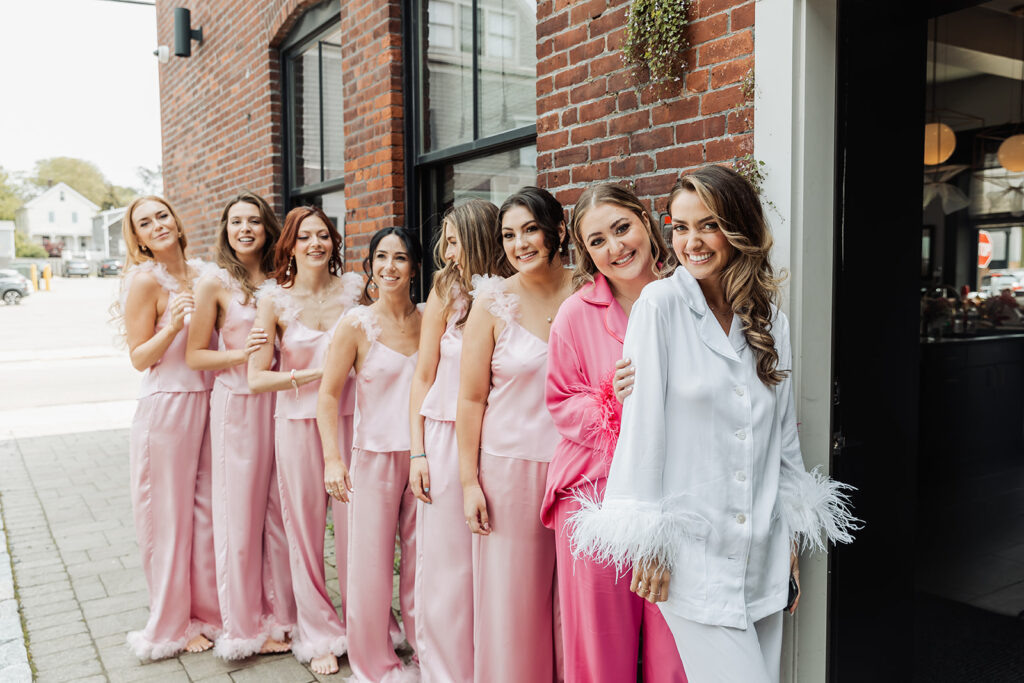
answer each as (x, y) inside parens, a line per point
(61, 214)
(6, 241)
(106, 232)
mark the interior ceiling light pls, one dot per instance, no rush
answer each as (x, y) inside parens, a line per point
(939, 143)
(1011, 151)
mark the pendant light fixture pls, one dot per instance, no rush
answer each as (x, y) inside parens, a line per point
(1011, 151)
(939, 138)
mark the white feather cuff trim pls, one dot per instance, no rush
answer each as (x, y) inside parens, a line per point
(817, 509)
(624, 533)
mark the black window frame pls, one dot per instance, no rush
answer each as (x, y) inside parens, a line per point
(310, 27)
(423, 201)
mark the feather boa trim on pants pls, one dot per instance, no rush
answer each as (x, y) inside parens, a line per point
(816, 510)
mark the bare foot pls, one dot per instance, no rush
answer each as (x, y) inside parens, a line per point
(199, 644)
(328, 664)
(271, 646)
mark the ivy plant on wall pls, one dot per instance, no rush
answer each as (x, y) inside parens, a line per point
(654, 37)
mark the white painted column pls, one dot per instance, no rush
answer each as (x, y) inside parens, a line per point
(794, 134)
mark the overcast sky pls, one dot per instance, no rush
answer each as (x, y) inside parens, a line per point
(79, 79)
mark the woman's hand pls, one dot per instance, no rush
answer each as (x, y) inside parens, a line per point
(336, 479)
(474, 505)
(794, 569)
(181, 305)
(257, 338)
(419, 479)
(624, 376)
(650, 582)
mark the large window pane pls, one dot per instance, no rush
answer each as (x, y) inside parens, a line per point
(306, 109)
(448, 83)
(333, 114)
(508, 65)
(493, 177)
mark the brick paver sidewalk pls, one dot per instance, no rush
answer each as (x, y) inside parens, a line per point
(67, 513)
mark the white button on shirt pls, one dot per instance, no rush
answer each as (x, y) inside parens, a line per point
(739, 391)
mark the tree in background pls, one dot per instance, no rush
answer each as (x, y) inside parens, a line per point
(25, 248)
(85, 177)
(10, 198)
(152, 179)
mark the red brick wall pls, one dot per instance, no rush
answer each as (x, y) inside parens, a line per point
(596, 122)
(221, 113)
(374, 155)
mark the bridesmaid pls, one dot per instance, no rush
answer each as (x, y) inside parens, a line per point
(506, 440)
(253, 576)
(470, 245)
(302, 310)
(619, 252)
(379, 342)
(169, 443)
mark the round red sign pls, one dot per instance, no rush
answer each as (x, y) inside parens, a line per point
(984, 249)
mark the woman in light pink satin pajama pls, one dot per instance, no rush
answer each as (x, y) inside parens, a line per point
(253, 575)
(303, 309)
(506, 439)
(380, 343)
(469, 245)
(169, 444)
(619, 251)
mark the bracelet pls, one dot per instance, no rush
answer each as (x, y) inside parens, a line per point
(295, 383)
(418, 455)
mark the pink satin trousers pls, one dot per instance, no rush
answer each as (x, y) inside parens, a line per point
(169, 460)
(253, 573)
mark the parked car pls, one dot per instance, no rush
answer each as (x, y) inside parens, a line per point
(13, 286)
(110, 267)
(77, 267)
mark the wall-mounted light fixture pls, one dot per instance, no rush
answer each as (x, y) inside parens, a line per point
(184, 34)
(162, 54)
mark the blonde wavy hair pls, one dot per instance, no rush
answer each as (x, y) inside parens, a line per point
(750, 283)
(663, 260)
(138, 253)
(475, 222)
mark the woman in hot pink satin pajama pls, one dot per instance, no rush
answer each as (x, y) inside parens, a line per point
(469, 246)
(253, 575)
(380, 343)
(169, 444)
(303, 311)
(619, 251)
(506, 439)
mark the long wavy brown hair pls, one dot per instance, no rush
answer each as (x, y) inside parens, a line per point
(289, 235)
(750, 283)
(475, 222)
(610, 193)
(226, 256)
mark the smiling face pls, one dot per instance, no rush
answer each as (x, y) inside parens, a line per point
(313, 244)
(246, 234)
(618, 243)
(392, 265)
(523, 240)
(154, 226)
(453, 247)
(700, 245)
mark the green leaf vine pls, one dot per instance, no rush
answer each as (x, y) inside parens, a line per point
(654, 37)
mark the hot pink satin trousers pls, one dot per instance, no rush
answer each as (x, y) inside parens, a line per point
(253, 573)
(514, 619)
(300, 477)
(602, 620)
(169, 460)
(382, 503)
(444, 566)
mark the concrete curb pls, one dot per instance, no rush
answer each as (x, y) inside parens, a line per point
(14, 666)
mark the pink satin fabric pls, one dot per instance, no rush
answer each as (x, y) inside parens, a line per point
(444, 566)
(382, 502)
(514, 578)
(300, 477)
(602, 620)
(169, 454)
